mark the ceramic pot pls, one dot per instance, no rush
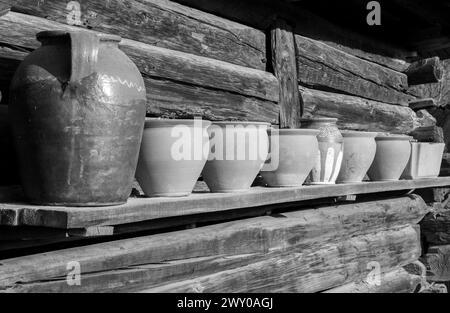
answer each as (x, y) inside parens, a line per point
(425, 160)
(77, 106)
(8, 158)
(329, 158)
(393, 152)
(238, 151)
(359, 152)
(294, 151)
(172, 156)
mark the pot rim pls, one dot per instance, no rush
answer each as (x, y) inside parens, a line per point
(319, 119)
(356, 133)
(152, 122)
(296, 131)
(63, 33)
(399, 137)
(220, 123)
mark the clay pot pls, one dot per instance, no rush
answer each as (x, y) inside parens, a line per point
(238, 151)
(77, 106)
(8, 159)
(172, 156)
(329, 158)
(425, 160)
(393, 152)
(294, 151)
(359, 152)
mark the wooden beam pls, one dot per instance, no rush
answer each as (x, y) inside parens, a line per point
(420, 104)
(323, 67)
(425, 71)
(285, 68)
(161, 23)
(144, 209)
(360, 114)
(435, 226)
(175, 80)
(437, 261)
(356, 232)
(394, 281)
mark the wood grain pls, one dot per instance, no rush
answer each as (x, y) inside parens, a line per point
(143, 209)
(164, 24)
(435, 226)
(285, 68)
(361, 114)
(324, 67)
(437, 261)
(301, 235)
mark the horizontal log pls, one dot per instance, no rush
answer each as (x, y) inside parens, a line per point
(324, 67)
(435, 227)
(425, 71)
(260, 13)
(359, 113)
(422, 104)
(437, 261)
(178, 84)
(395, 281)
(300, 271)
(235, 244)
(162, 23)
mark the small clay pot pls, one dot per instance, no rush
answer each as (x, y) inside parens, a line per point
(393, 152)
(425, 160)
(238, 151)
(359, 152)
(172, 156)
(329, 158)
(293, 153)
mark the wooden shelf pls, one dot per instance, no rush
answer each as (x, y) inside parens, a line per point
(146, 209)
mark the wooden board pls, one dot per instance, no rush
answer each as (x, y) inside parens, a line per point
(162, 23)
(178, 84)
(142, 209)
(361, 114)
(323, 67)
(302, 235)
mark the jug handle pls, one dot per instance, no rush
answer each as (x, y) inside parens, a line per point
(84, 55)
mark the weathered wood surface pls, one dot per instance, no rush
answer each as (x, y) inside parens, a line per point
(143, 209)
(178, 84)
(422, 104)
(395, 281)
(285, 68)
(437, 261)
(300, 271)
(260, 13)
(425, 71)
(330, 239)
(439, 91)
(161, 23)
(435, 226)
(324, 67)
(428, 134)
(359, 113)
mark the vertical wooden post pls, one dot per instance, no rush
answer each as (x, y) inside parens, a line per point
(285, 68)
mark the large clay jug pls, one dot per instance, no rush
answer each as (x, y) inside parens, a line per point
(78, 108)
(329, 158)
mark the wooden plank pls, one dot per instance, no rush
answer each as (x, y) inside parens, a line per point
(395, 281)
(324, 67)
(162, 23)
(142, 209)
(425, 71)
(259, 14)
(178, 84)
(285, 68)
(233, 244)
(360, 114)
(309, 270)
(422, 104)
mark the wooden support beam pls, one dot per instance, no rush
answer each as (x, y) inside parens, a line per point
(285, 68)
(344, 238)
(361, 114)
(321, 66)
(425, 71)
(394, 281)
(421, 104)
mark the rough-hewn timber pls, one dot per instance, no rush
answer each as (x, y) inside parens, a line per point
(425, 71)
